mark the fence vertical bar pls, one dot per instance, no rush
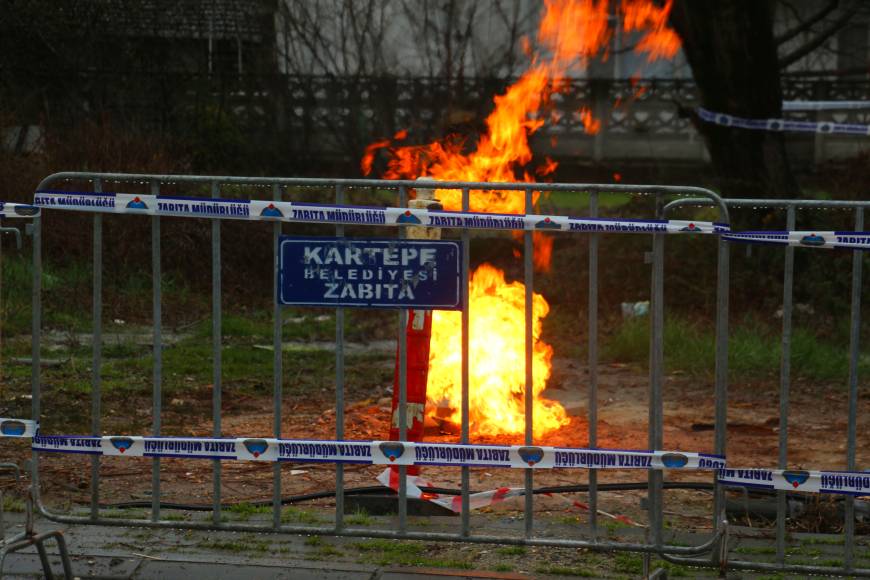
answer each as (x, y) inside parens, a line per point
(157, 376)
(528, 250)
(852, 428)
(277, 364)
(466, 262)
(97, 349)
(403, 393)
(656, 365)
(592, 319)
(339, 386)
(2, 532)
(35, 344)
(784, 386)
(720, 421)
(216, 351)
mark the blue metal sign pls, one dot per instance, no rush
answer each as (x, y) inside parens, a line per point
(419, 274)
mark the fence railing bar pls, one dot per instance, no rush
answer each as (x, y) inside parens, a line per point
(854, 356)
(797, 203)
(466, 318)
(216, 335)
(529, 280)
(339, 386)
(592, 339)
(390, 533)
(794, 568)
(277, 366)
(97, 350)
(157, 355)
(784, 386)
(401, 184)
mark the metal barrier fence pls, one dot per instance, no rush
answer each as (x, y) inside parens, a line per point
(715, 545)
(791, 207)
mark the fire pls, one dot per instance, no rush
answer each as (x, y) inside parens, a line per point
(570, 32)
(658, 40)
(499, 152)
(496, 349)
(590, 124)
(573, 31)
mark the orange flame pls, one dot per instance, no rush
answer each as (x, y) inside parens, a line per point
(570, 32)
(658, 40)
(369, 155)
(499, 152)
(590, 124)
(547, 168)
(574, 30)
(496, 350)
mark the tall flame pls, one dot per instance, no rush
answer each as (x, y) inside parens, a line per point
(570, 32)
(497, 353)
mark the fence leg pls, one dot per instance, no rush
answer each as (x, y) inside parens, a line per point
(43, 557)
(31, 538)
(723, 546)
